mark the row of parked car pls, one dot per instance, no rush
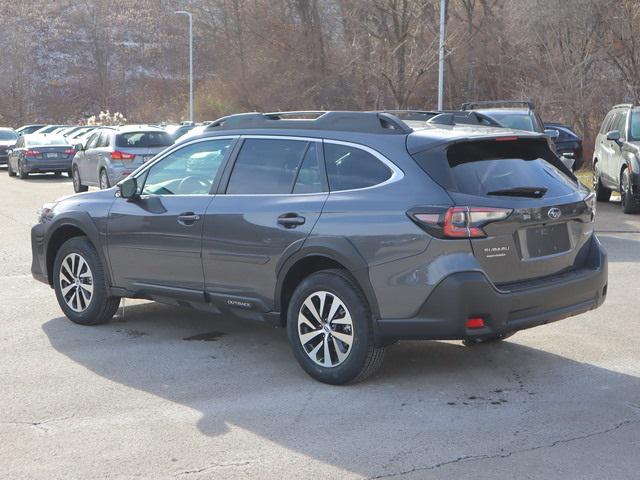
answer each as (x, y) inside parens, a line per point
(93, 155)
(102, 156)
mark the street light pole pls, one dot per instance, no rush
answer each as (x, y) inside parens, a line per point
(188, 14)
(443, 36)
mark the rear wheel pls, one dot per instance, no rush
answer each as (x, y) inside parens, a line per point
(77, 183)
(330, 329)
(21, 171)
(603, 194)
(80, 284)
(629, 205)
(104, 180)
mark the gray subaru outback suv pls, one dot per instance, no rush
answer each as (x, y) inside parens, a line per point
(351, 229)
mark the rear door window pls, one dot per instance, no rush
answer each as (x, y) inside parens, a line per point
(267, 166)
(350, 168)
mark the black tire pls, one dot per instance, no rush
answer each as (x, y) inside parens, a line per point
(10, 170)
(603, 194)
(77, 183)
(101, 307)
(471, 342)
(104, 180)
(629, 205)
(21, 173)
(364, 358)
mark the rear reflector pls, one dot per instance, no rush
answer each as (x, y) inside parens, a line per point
(506, 139)
(475, 322)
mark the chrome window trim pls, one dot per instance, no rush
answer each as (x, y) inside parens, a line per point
(396, 173)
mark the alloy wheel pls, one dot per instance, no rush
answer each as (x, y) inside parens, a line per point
(325, 329)
(76, 282)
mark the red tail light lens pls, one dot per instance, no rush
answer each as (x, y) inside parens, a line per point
(70, 151)
(457, 222)
(31, 153)
(122, 156)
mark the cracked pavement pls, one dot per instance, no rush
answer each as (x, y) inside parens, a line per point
(166, 393)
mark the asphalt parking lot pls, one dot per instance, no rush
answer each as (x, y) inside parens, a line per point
(162, 392)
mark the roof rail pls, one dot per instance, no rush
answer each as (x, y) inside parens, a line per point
(363, 122)
(624, 105)
(486, 103)
(415, 115)
(464, 118)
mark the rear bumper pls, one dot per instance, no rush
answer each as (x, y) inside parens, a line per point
(4, 158)
(519, 306)
(46, 166)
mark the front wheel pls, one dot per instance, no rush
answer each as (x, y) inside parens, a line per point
(603, 194)
(80, 283)
(330, 329)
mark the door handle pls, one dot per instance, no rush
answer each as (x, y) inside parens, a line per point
(188, 218)
(291, 220)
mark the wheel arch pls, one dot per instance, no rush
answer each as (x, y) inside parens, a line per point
(322, 254)
(66, 229)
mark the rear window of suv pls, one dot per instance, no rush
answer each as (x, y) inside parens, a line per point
(143, 140)
(478, 168)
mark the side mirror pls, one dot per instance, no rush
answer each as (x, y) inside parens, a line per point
(552, 133)
(78, 147)
(613, 136)
(128, 187)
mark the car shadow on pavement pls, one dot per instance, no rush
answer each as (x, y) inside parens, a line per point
(433, 401)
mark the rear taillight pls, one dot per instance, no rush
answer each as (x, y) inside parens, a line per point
(123, 156)
(457, 222)
(70, 151)
(31, 153)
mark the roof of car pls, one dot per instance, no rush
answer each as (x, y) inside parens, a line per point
(138, 128)
(516, 110)
(5, 129)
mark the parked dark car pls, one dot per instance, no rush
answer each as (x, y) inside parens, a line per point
(27, 129)
(350, 229)
(8, 139)
(616, 157)
(567, 141)
(40, 154)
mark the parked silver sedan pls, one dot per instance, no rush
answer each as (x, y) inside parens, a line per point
(112, 154)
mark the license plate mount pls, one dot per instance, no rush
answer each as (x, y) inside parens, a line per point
(548, 240)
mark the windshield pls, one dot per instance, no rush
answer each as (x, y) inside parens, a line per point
(634, 132)
(45, 140)
(516, 121)
(143, 139)
(8, 135)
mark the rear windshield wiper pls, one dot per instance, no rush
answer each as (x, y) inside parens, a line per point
(532, 192)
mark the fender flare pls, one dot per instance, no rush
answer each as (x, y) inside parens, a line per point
(338, 249)
(83, 222)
